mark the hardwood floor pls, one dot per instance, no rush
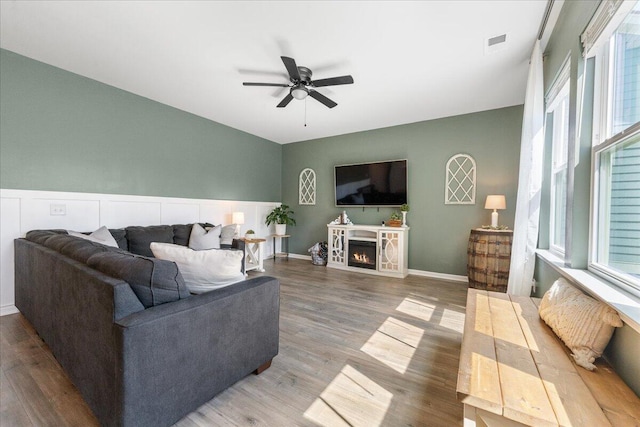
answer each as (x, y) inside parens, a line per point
(355, 350)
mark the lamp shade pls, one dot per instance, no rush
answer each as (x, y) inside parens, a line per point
(237, 218)
(495, 201)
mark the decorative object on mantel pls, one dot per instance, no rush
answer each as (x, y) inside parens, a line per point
(394, 220)
(307, 187)
(281, 216)
(342, 219)
(495, 202)
(404, 208)
(238, 219)
(250, 234)
(460, 182)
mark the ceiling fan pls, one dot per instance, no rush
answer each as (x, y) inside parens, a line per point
(302, 86)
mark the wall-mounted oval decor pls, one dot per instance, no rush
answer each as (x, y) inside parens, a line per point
(307, 187)
(460, 183)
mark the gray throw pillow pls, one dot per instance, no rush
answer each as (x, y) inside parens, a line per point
(228, 233)
(201, 239)
(101, 235)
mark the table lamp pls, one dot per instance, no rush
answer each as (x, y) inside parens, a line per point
(238, 219)
(495, 202)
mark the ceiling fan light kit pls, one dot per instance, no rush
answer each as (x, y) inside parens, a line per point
(301, 84)
(299, 92)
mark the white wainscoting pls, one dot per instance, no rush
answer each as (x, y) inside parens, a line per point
(25, 210)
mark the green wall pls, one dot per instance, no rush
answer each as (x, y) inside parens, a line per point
(63, 132)
(622, 352)
(439, 233)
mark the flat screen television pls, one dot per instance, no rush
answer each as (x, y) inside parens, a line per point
(371, 184)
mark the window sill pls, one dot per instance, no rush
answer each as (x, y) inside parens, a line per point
(627, 305)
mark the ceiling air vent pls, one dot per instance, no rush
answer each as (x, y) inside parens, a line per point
(494, 44)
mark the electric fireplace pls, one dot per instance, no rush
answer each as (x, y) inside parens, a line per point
(362, 254)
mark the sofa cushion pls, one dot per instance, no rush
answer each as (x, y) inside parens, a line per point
(181, 233)
(120, 236)
(154, 281)
(201, 239)
(101, 235)
(203, 270)
(140, 237)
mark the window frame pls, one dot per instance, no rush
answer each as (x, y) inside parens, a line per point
(602, 141)
(558, 92)
(604, 270)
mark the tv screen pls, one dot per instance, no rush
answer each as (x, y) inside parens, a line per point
(371, 184)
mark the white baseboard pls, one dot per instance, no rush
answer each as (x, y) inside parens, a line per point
(297, 256)
(8, 309)
(440, 276)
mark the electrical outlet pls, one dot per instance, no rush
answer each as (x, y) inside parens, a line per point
(57, 209)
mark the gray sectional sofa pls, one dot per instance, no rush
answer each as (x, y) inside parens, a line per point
(141, 350)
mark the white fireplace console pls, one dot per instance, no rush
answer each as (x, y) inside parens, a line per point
(369, 249)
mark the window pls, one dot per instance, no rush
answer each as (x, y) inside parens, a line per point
(558, 113)
(618, 225)
(615, 240)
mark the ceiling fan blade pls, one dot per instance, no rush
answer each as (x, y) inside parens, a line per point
(264, 84)
(292, 68)
(320, 97)
(287, 99)
(333, 81)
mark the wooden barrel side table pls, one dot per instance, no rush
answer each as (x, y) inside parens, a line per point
(488, 259)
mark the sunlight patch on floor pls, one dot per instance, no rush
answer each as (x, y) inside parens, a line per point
(352, 399)
(453, 320)
(394, 344)
(416, 308)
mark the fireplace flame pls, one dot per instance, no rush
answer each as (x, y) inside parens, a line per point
(361, 257)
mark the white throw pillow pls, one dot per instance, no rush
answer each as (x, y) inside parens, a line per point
(101, 235)
(201, 239)
(202, 270)
(584, 324)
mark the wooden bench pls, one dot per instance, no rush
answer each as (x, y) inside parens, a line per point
(514, 371)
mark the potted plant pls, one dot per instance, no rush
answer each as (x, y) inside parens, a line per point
(404, 208)
(250, 234)
(395, 220)
(281, 216)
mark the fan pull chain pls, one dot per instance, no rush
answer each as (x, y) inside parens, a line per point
(305, 112)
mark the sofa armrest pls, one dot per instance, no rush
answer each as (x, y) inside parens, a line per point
(177, 356)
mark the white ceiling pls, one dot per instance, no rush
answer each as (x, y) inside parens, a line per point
(411, 61)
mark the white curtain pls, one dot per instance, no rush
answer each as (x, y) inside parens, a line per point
(525, 230)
